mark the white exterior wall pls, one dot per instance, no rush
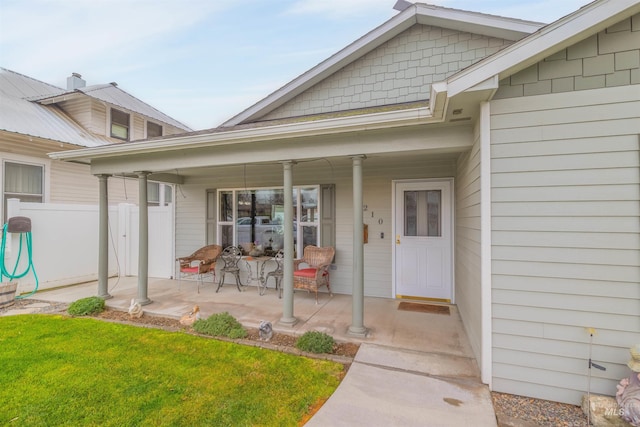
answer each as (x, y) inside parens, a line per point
(73, 183)
(566, 240)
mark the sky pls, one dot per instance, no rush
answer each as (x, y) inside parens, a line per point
(203, 61)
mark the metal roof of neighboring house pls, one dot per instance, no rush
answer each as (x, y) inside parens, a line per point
(18, 115)
(113, 95)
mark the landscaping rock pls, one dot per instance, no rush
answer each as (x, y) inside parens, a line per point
(603, 411)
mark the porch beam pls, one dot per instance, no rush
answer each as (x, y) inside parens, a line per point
(288, 318)
(357, 327)
(103, 237)
(143, 238)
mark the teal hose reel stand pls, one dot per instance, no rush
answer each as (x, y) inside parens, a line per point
(18, 225)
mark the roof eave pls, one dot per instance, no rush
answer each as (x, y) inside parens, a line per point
(366, 122)
(476, 23)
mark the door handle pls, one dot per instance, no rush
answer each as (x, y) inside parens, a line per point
(397, 239)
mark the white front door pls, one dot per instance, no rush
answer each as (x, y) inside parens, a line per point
(423, 240)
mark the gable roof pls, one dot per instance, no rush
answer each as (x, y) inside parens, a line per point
(481, 77)
(19, 115)
(577, 26)
(477, 23)
(112, 94)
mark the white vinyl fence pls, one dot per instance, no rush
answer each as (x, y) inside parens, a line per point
(65, 243)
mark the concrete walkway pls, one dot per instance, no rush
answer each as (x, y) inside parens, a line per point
(412, 369)
(395, 387)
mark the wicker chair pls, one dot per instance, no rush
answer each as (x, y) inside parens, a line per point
(231, 256)
(200, 263)
(316, 274)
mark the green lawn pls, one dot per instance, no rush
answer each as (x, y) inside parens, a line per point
(57, 370)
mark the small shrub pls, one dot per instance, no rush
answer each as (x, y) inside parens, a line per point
(85, 306)
(315, 342)
(220, 325)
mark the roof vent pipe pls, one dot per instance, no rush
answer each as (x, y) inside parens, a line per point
(75, 82)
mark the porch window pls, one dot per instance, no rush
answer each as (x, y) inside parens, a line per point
(256, 216)
(119, 124)
(24, 182)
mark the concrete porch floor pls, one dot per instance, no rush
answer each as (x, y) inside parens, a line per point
(412, 369)
(386, 325)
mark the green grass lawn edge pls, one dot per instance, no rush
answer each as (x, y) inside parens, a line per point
(59, 370)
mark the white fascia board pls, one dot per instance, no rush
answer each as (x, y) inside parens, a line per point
(372, 121)
(476, 23)
(556, 36)
(355, 50)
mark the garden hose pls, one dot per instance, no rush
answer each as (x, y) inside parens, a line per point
(13, 274)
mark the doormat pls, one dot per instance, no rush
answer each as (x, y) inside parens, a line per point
(424, 308)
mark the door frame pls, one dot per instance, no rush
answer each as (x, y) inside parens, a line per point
(394, 210)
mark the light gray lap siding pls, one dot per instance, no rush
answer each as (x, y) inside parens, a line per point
(566, 240)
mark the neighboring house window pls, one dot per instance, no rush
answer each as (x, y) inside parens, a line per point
(119, 124)
(153, 130)
(159, 194)
(24, 182)
(256, 216)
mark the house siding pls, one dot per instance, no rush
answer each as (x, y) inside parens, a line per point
(565, 240)
(67, 183)
(399, 71)
(609, 58)
(92, 115)
(467, 244)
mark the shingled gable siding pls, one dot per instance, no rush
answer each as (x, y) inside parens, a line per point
(399, 71)
(609, 58)
(565, 240)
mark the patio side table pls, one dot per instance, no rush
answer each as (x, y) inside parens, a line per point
(257, 275)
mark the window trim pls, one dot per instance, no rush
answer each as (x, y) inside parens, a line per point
(44, 166)
(299, 213)
(127, 126)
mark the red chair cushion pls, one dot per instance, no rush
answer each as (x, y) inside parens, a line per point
(307, 272)
(189, 269)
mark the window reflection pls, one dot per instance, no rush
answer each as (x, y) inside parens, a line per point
(254, 218)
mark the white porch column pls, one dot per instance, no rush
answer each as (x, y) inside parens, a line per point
(287, 280)
(357, 297)
(143, 239)
(103, 238)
